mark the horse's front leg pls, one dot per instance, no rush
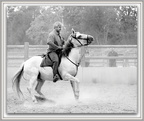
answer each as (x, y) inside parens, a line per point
(75, 87)
(74, 83)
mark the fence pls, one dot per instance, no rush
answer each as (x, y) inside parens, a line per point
(30, 50)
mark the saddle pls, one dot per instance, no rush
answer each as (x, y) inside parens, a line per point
(47, 62)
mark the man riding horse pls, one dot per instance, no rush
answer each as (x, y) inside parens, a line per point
(55, 42)
(34, 70)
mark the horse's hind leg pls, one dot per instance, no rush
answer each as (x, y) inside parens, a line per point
(32, 92)
(38, 88)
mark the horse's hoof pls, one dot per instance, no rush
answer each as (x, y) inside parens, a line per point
(40, 97)
(35, 101)
(76, 99)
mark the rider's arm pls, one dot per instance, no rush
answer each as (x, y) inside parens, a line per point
(53, 45)
(51, 42)
(63, 41)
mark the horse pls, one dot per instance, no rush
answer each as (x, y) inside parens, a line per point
(32, 71)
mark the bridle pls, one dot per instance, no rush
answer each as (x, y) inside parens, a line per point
(78, 39)
(77, 65)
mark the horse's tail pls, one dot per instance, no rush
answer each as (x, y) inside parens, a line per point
(16, 81)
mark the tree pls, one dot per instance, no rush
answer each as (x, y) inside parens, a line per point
(106, 24)
(98, 21)
(18, 21)
(128, 19)
(43, 24)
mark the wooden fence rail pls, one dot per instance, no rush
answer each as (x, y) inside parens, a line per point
(26, 47)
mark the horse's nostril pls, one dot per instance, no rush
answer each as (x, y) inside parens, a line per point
(92, 38)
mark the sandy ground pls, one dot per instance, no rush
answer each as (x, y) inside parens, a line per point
(96, 98)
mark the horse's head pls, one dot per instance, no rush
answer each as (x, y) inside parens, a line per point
(78, 39)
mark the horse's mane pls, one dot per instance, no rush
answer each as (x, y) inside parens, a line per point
(67, 47)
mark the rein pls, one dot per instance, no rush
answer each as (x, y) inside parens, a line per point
(77, 65)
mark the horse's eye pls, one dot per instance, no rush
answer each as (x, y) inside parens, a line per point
(73, 35)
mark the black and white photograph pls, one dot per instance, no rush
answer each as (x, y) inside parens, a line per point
(71, 60)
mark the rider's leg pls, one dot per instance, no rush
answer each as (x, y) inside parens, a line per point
(55, 59)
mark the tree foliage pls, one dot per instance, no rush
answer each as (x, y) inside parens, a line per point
(19, 19)
(108, 24)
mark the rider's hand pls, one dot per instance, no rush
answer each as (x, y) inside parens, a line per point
(60, 48)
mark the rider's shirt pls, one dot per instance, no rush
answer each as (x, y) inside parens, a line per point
(54, 41)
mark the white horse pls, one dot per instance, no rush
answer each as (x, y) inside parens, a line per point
(31, 70)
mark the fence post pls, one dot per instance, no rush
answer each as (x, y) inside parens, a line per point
(26, 50)
(83, 59)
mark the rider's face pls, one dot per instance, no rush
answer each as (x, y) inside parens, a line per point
(58, 28)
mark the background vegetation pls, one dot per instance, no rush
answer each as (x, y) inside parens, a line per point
(110, 25)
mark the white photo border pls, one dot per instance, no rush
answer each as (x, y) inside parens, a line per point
(5, 116)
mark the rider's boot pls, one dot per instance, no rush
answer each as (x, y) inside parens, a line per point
(56, 78)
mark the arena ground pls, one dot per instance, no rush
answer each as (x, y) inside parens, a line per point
(95, 97)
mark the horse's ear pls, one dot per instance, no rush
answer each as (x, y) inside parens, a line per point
(73, 31)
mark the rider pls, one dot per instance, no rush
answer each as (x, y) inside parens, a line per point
(55, 42)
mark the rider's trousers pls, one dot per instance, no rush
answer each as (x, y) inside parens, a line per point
(54, 57)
